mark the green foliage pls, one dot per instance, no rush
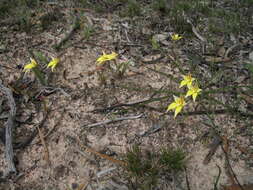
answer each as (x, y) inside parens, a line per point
(42, 59)
(4, 7)
(155, 44)
(101, 6)
(250, 68)
(173, 159)
(146, 169)
(122, 67)
(133, 8)
(141, 168)
(161, 5)
(219, 19)
(135, 163)
(11, 7)
(88, 31)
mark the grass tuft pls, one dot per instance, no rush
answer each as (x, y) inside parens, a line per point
(173, 159)
(146, 168)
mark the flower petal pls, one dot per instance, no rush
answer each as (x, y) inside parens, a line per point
(189, 93)
(172, 106)
(194, 96)
(30, 65)
(106, 57)
(183, 83)
(53, 63)
(177, 110)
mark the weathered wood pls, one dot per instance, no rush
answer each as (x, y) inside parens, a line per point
(9, 125)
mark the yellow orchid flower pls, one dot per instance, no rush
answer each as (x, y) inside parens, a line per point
(53, 63)
(106, 57)
(193, 91)
(176, 37)
(188, 79)
(177, 105)
(30, 65)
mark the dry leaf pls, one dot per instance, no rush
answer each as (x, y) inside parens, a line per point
(221, 52)
(152, 58)
(83, 186)
(221, 41)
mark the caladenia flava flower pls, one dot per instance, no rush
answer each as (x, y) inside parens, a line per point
(33, 66)
(106, 57)
(176, 37)
(30, 65)
(53, 63)
(188, 79)
(177, 105)
(193, 91)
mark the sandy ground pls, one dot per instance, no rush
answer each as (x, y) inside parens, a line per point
(70, 165)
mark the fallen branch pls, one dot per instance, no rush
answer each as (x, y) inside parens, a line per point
(145, 101)
(113, 121)
(194, 30)
(43, 142)
(104, 156)
(8, 130)
(68, 34)
(163, 110)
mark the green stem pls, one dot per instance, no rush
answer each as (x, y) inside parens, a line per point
(39, 75)
(176, 62)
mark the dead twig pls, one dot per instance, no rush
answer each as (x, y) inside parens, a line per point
(114, 120)
(145, 101)
(122, 163)
(187, 179)
(43, 142)
(9, 125)
(73, 28)
(230, 170)
(104, 172)
(230, 49)
(217, 141)
(51, 130)
(155, 128)
(194, 30)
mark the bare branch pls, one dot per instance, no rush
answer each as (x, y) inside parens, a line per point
(8, 129)
(113, 120)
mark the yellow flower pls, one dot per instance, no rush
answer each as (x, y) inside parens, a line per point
(176, 37)
(53, 63)
(193, 91)
(188, 79)
(106, 57)
(177, 105)
(30, 65)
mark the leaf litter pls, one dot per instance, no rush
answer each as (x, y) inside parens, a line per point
(77, 77)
